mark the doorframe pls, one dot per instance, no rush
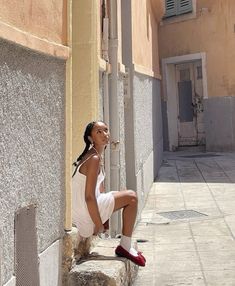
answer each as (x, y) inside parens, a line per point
(170, 91)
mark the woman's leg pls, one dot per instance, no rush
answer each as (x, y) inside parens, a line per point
(128, 201)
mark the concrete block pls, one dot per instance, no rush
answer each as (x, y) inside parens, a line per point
(102, 267)
(108, 272)
(74, 247)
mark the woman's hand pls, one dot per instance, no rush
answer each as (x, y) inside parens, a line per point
(98, 230)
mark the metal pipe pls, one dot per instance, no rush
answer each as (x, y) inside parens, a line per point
(68, 128)
(106, 120)
(114, 113)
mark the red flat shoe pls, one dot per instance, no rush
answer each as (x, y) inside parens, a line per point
(140, 253)
(139, 260)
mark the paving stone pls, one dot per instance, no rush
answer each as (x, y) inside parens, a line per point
(215, 227)
(220, 278)
(210, 243)
(173, 279)
(218, 260)
(230, 220)
(191, 252)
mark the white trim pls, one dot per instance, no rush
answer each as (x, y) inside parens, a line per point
(121, 68)
(104, 66)
(50, 265)
(169, 90)
(11, 282)
(187, 58)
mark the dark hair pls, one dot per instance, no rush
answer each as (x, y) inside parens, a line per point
(87, 133)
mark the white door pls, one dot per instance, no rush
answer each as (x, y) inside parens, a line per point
(190, 104)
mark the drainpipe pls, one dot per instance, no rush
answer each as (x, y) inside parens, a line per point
(105, 56)
(114, 113)
(68, 128)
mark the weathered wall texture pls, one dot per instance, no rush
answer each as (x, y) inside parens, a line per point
(212, 32)
(220, 123)
(32, 145)
(147, 131)
(85, 70)
(45, 19)
(145, 34)
(122, 133)
(143, 122)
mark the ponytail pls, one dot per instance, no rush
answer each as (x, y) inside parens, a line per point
(87, 133)
(83, 153)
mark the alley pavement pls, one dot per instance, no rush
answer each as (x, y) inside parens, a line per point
(187, 228)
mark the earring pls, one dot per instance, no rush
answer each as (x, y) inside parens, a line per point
(90, 139)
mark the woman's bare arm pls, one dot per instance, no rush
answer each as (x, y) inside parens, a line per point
(92, 171)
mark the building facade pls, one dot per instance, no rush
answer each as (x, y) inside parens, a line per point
(143, 116)
(62, 65)
(196, 40)
(33, 54)
(116, 78)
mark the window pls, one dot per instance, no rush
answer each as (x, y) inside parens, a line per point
(178, 7)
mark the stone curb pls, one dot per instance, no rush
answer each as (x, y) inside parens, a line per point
(100, 267)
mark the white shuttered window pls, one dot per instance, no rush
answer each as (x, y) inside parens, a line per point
(178, 7)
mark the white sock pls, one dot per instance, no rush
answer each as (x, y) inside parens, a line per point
(126, 244)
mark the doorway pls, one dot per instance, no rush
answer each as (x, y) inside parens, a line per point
(190, 104)
(184, 91)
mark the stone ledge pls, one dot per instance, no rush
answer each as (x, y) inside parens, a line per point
(102, 267)
(73, 246)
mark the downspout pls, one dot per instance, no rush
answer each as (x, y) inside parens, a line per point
(105, 56)
(68, 126)
(114, 112)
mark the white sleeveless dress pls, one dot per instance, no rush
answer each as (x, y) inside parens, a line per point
(80, 214)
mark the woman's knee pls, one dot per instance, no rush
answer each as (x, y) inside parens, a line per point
(132, 197)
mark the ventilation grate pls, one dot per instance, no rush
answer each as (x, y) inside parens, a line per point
(182, 214)
(26, 263)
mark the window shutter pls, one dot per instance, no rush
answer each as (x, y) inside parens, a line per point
(184, 6)
(170, 8)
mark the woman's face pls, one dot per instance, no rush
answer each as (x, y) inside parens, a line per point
(100, 134)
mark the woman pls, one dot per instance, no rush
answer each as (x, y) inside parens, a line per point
(91, 206)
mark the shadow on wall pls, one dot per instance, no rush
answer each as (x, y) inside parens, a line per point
(157, 127)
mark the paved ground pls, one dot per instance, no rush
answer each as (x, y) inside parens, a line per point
(196, 247)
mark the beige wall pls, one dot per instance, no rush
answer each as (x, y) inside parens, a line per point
(85, 69)
(212, 31)
(44, 18)
(119, 26)
(145, 19)
(37, 25)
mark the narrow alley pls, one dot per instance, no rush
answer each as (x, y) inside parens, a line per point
(189, 222)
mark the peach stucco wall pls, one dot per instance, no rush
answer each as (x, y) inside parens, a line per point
(44, 18)
(145, 34)
(212, 32)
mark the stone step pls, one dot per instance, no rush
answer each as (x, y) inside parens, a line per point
(102, 267)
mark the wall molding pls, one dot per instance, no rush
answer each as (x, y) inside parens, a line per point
(144, 70)
(33, 42)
